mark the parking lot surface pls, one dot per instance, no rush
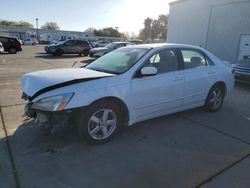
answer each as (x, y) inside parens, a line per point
(183, 150)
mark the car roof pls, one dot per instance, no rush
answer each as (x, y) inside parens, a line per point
(8, 37)
(123, 42)
(162, 45)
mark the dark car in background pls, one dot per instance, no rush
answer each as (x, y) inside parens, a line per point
(11, 44)
(80, 47)
(98, 52)
(242, 69)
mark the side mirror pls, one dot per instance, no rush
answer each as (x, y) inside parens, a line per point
(147, 71)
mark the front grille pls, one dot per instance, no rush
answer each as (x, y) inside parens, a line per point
(242, 70)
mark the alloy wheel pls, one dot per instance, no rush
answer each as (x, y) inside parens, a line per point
(102, 124)
(216, 98)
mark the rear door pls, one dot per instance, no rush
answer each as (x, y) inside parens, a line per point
(79, 46)
(70, 47)
(162, 93)
(198, 76)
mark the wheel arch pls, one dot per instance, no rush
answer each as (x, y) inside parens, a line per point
(222, 84)
(117, 101)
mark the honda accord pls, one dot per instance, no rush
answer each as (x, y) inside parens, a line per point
(128, 85)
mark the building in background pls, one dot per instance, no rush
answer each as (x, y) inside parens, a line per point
(45, 35)
(221, 26)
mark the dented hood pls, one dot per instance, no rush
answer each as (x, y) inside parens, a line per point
(32, 83)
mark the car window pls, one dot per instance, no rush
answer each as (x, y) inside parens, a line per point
(128, 44)
(209, 61)
(165, 61)
(111, 46)
(3, 39)
(12, 40)
(193, 59)
(120, 45)
(70, 43)
(79, 42)
(84, 43)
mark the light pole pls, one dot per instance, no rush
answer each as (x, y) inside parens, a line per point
(37, 38)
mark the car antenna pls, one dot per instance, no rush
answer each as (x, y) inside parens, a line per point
(74, 63)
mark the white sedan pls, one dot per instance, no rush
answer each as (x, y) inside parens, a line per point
(29, 42)
(126, 86)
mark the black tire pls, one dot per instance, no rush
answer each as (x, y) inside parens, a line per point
(59, 52)
(215, 98)
(87, 125)
(86, 52)
(12, 50)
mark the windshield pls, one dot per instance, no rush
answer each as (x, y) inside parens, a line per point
(111, 46)
(61, 42)
(118, 61)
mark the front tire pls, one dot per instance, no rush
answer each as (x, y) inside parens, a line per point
(101, 122)
(215, 98)
(59, 52)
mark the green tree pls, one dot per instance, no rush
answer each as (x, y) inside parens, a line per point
(25, 24)
(147, 30)
(154, 29)
(107, 32)
(22, 24)
(163, 21)
(50, 26)
(90, 30)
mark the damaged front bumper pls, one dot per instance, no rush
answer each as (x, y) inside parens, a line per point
(55, 120)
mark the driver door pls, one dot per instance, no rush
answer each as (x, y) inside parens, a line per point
(162, 93)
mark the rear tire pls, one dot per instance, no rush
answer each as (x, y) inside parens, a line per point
(12, 50)
(100, 122)
(215, 98)
(85, 52)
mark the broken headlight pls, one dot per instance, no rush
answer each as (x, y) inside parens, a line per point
(55, 103)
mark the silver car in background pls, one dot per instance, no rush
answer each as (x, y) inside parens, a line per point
(242, 69)
(98, 52)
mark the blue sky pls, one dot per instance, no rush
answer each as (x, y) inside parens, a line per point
(78, 15)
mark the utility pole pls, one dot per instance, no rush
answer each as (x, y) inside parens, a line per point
(37, 34)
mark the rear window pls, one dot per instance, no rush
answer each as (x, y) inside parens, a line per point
(12, 40)
(3, 39)
(193, 59)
